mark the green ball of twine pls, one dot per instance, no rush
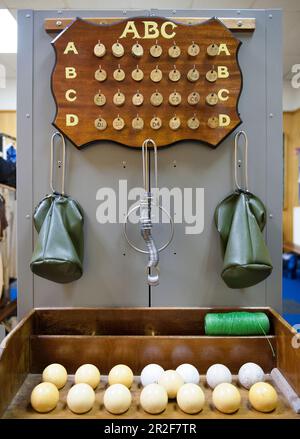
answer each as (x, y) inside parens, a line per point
(237, 323)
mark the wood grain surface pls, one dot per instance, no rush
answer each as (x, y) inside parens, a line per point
(85, 36)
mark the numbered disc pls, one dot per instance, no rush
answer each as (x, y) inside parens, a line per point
(213, 122)
(119, 74)
(193, 98)
(174, 123)
(137, 99)
(193, 49)
(156, 75)
(174, 51)
(156, 50)
(193, 75)
(137, 123)
(137, 74)
(212, 49)
(156, 123)
(193, 123)
(99, 50)
(118, 123)
(119, 98)
(175, 98)
(211, 75)
(99, 99)
(137, 50)
(156, 99)
(117, 49)
(100, 75)
(174, 75)
(212, 99)
(100, 124)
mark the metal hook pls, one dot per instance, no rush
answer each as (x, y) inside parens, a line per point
(146, 164)
(236, 145)
(57, 133)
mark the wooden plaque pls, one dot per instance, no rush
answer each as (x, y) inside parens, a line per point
(146, 78)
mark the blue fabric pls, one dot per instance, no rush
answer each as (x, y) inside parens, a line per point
(11, 154)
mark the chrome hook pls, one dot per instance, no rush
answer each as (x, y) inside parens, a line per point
(236, 146)
(57, 133)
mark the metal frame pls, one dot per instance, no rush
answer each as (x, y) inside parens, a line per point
(265, 172)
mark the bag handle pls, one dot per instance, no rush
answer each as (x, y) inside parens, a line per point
(57, 133)
(236, 146)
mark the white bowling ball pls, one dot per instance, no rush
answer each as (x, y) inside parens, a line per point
(218, 374)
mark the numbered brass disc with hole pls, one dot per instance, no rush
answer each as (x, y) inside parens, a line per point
(193, 75)
(212, 49)
(193, 98)
(213, 122)
(100, 124)
(211, 75)
(100, 99)
(174, 75)
(156, 99)
(156, 50)
(193, 49)
(193, 123)
(117, 50)
(174, 51)
(174, 123)
(156, 75)
(118, 123)
(137, 123)
(212, 99)
(100, 75)
(137, 50)
(99, 50)
(137, 99)
(119, 74)
(137, 74)
(156, 123)
(175, 98)
(119, 98)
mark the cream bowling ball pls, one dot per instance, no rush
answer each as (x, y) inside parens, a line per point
(151, 374)
(190, 398)
(154, 398)
(88, 374)
(56, 374)
(117, 399)
(263, 397)
(171, 381)
(81, 398)
(189, 373)
(120, 374)
(217, 374)
(44, 397)
(226, 398)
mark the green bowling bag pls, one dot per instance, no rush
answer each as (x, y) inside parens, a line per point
(58, 220)
(240, 219)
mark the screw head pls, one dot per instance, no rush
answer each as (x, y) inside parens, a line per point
(270, 16)
(27, 15)
(27, 216)
(28, 115)
(58, 23)
(271, 115)
(271, 215)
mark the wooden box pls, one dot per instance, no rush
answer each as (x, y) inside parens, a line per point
(136, 337)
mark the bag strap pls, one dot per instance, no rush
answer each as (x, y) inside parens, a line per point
(63, 162)
(237, 164)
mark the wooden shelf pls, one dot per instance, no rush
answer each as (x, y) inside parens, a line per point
(54, 25)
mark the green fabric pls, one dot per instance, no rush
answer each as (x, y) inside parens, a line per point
(237, 323)
(240, 219)
(58, 254)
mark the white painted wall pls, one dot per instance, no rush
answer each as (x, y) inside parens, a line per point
(8, 95)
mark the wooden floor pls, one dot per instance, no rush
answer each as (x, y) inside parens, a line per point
(20, 407)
